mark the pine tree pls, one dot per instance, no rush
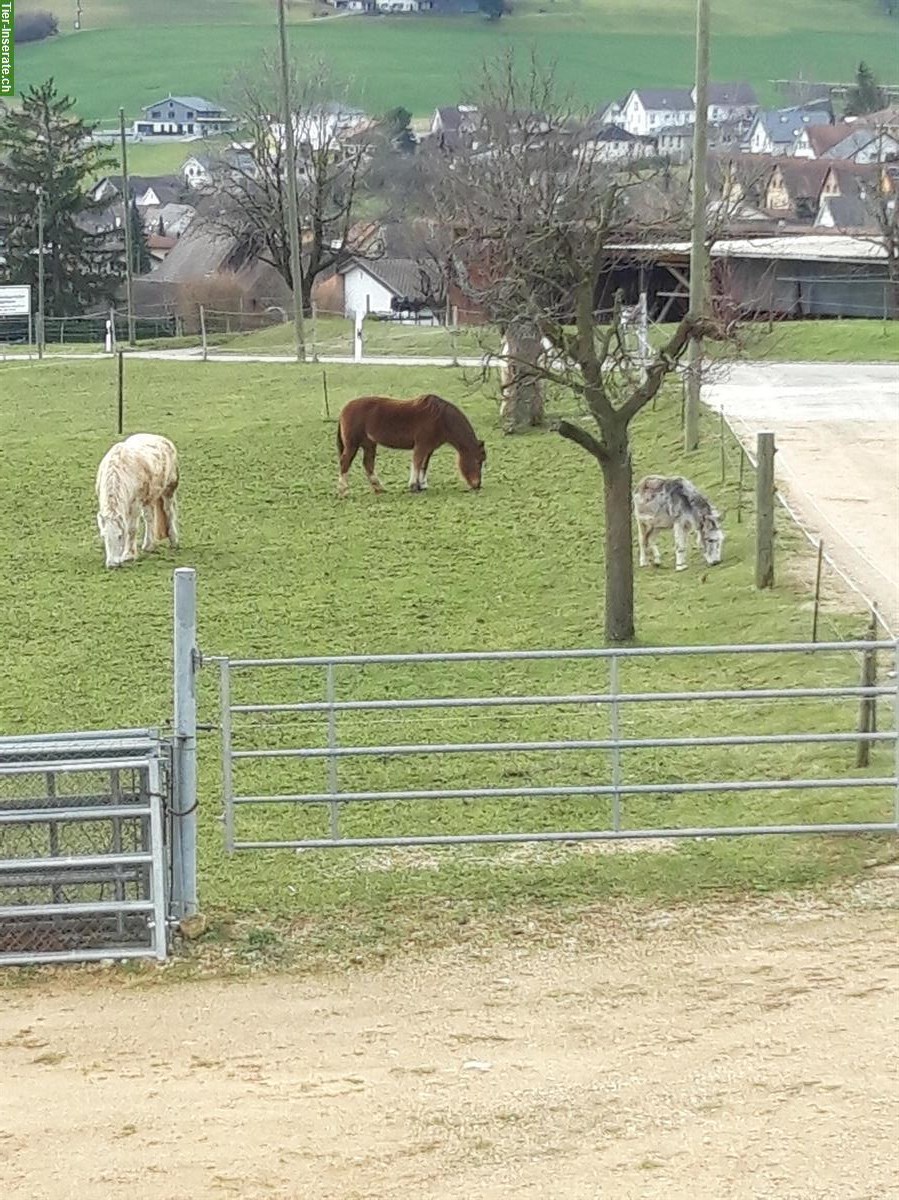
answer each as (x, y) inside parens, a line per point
(141, 262)
(865, 96)
(45, 148)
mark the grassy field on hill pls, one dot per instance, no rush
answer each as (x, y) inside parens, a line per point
(127, 53)
(284, 567)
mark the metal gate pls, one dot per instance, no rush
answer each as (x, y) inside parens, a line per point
(306, 762)
(84, 858)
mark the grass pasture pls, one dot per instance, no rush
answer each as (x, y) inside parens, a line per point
(786, 341)
(285, 568)
(128, 53)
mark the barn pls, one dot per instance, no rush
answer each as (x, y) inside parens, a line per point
(798, 275)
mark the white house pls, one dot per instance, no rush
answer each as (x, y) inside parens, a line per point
(676, 141)
(774, 131)
(369, 287)
(647, 110)
(323, 125)
(456, 118)
(611, 143)
(729, 102)
(182, 115)
(850, 141)
(197, 171)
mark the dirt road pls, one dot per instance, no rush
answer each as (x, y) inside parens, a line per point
(837, 432)
(741, 1051)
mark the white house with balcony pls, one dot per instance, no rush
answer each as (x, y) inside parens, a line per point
(180, 115)
(647, 110)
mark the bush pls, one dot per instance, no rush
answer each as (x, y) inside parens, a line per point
(35, 26)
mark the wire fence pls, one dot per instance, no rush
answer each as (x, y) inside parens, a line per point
(830, 588)
(82, 848)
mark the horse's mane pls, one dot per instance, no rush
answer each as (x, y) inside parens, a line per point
(458, 426)
(114, 480)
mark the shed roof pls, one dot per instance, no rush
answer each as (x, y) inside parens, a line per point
(809, 247)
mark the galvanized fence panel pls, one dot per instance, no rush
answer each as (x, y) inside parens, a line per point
(597, 770)
(83, 848)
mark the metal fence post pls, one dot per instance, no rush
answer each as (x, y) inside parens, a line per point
(184, 900)
(332, 761)
(227, 761)
(615, 735)
(160, 925)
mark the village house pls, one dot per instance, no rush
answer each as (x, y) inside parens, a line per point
(611, 143)
(150, 195)
(774, 131)
(182, 115)
(794, 189)
(730, 102)
(198, 170)
(675, 142)
(647, 110)
(851, 140)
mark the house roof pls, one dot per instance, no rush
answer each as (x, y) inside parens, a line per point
(824, 137)
(802, 177)
(200, 252)
(846, 212)
(400, 276)
(682, 131)
(782, 125)
(732, 94)
(884, 117)
(612, 133)
(807, 247)
(665, 99)
(197, 103)
(166, 187)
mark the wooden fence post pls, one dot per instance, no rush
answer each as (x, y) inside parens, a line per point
(764, 511)
(817, 589)
(867, 708)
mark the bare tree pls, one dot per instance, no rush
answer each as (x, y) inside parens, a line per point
(882, 202)
(540, 224)
(249, 203)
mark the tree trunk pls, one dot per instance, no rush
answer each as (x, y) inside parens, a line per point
(522, 403)
(619, 555)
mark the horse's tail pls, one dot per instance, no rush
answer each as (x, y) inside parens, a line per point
(339, 439)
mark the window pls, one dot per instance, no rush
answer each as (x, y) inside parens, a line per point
(155, 114)
(190, 115)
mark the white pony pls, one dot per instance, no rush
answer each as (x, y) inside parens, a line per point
(677, 504)
(137, 476)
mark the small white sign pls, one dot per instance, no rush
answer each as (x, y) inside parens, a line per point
(15, 301)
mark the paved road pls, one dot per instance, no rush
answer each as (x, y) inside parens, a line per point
(837, 431)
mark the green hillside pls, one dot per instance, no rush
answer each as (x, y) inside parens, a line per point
(128, 51)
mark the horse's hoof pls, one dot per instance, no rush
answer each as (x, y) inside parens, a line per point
(681, 567)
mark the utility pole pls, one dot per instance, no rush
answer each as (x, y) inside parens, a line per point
(293, 220)
(129, 249)
(40, 274)
(698, 255)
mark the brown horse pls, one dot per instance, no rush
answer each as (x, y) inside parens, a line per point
(420, 425)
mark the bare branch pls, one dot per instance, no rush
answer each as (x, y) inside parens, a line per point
(574, 433)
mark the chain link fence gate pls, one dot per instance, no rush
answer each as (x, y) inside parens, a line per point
(83, 848)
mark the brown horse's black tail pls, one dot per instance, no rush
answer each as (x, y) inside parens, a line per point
(339, 439)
